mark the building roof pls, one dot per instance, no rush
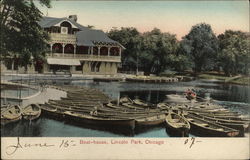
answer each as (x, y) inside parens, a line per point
(86, 37)
(90, 37)
(47, 22)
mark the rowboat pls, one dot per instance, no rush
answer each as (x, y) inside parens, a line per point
(67, 105)
(150, 120)
(235, 124)
(132, 106)
(203, 127)
(31, 112)
(71, 108)
(176, 98)
(112, 106)
(177, 125)
(11, 114)
(86, 101)
(214, 113)
(125, 99)
(143, 103)
(52, 112)
(89, 119)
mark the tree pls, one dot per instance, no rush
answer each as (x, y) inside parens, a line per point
(157, 49)
(234, 55)
(130, 39)
(21, 35)
(202, 46)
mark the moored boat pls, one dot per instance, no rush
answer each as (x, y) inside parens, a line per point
(52, 111)
(89, 119)
(235, 124)
(177, 125)
(125, 99)
(150, 120)
(11, 114)
(205, 128)
(31, 112)
(176, 98)
(142, 103)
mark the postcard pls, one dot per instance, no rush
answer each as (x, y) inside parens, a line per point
(125, 79)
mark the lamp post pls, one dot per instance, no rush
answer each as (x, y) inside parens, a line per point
(136, 63)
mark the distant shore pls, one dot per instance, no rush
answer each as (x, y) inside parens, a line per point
(238, 79)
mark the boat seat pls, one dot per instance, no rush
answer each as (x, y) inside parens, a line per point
(174, 120)
(204, 124)
(220, 129)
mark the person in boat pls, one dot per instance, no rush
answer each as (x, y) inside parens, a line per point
(190, 94)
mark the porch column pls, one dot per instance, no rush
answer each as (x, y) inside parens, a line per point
(74, 50)
(92, 50)
(51, 49)
(108, 51)
(120, 51)
(12, 64)
(99, 48)
(63, 45)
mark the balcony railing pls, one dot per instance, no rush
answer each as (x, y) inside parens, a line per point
(87, 57)
(65, 38)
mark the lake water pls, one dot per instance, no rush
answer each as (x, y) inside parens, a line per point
(18, 92)
(235, 97)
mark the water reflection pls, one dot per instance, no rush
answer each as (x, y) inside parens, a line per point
(18, 92)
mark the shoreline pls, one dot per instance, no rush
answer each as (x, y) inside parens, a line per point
(219, 78)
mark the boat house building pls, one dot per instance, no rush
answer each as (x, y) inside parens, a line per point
(77, 49)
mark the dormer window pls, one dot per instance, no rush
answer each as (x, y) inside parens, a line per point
(66, 28)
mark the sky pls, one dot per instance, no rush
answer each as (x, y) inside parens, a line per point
(176, 17)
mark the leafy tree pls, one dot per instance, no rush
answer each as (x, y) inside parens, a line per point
(202, 46)
(130, 39)
(21, 35)
(234, 55)
(157, 49)
(148, 51)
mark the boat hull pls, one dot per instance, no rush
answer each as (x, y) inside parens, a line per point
(11, 115)
(119, 123)
(8, 121)
(177, 132)
(156, 120)
(208, 130)
(177, 129)
(211, 133)
(32, 115)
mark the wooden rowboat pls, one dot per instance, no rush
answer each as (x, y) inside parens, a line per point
(150, 120)
(238, 125)
(11, 114)
(177, 125)
(31, 112)
(206, 128)
(125, 99)
(52, 112)
(89, 119)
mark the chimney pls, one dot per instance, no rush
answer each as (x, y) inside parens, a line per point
(73, 18)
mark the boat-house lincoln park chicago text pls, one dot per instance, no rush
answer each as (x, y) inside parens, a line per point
(75, 49)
